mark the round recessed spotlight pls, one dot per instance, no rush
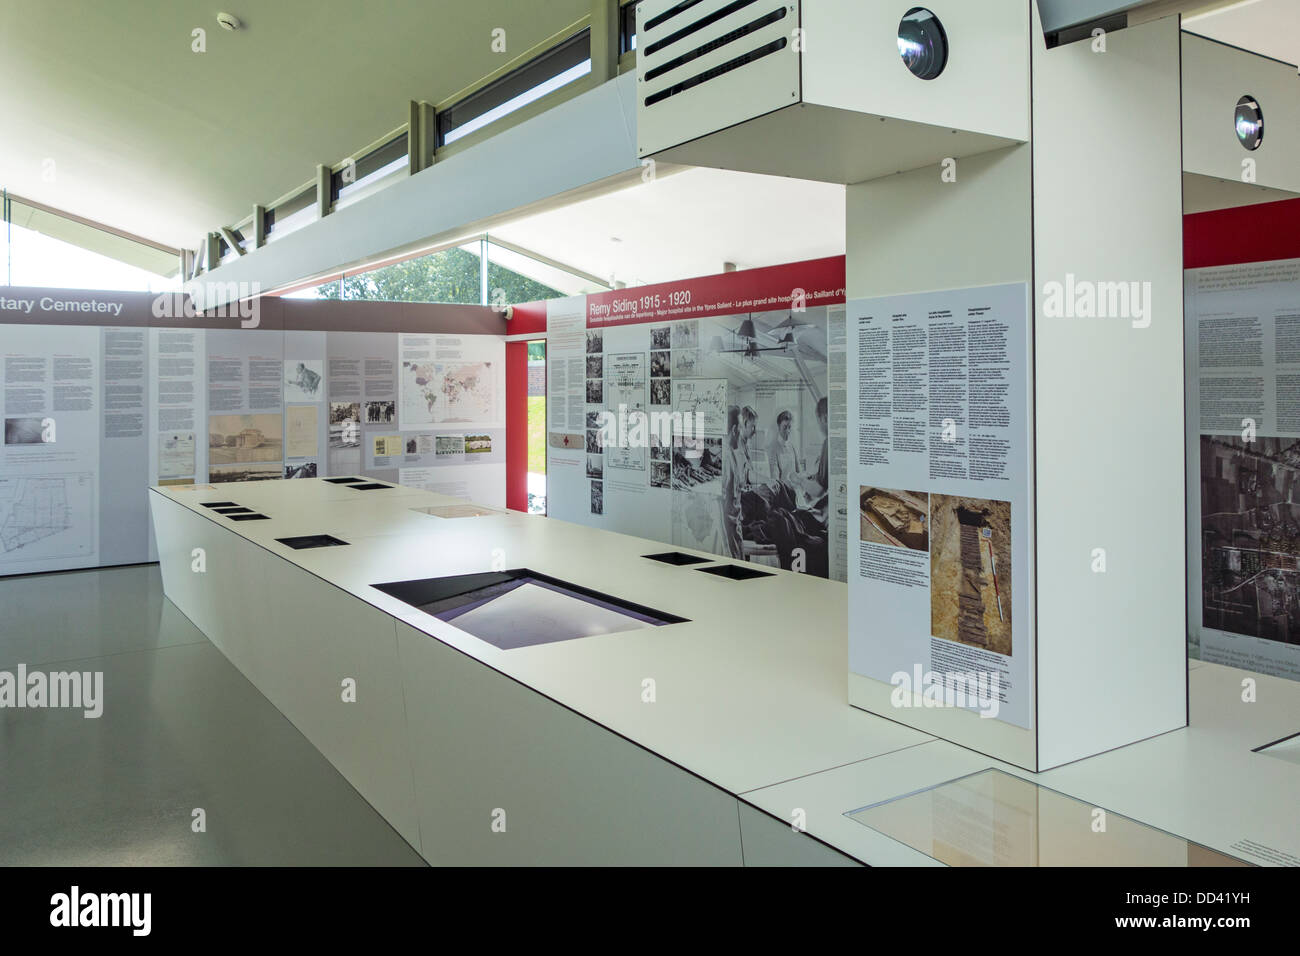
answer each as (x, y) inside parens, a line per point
(922, 43)
(1249, 122)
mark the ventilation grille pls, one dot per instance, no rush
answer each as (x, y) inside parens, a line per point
(693, 43)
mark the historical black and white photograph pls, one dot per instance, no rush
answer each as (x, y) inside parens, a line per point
(758, 393)
(661, 337)
(686, 334)
(595, 391)
(594, 446)
(28, 431)
(381, 413)
(661, 391)
(697, 464)
(267, 471)
(597, 498)
(595, 341)
(595, 466)
(660, 475)
(345, 424)
(661, 364)
(595, 366)
(1250, 536)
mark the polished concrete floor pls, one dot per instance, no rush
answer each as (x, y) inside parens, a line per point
(181, 730)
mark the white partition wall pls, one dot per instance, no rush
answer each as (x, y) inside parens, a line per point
(973, 233)
(1108, 411)
(1100, 660)
(1014, 328)
(1094, 230)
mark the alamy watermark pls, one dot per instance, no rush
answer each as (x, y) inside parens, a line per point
(633, 428)
(76, 908)
(235, 300)
(1085, 299)
(977, 690)
(77, 690)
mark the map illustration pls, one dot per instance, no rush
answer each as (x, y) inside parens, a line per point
(54, 509)
(439, 392)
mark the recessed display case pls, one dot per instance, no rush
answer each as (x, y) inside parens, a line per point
(465, 510)
(522, 608)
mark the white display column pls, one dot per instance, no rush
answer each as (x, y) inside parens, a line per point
(1015, 326)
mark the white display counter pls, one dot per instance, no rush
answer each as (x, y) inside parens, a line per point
(691, 743)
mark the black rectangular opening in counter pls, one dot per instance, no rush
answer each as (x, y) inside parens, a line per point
(233, 511)
(305, 542)
(344, 481)
(678, 558)
(218, 504)
(370, 486)
(522, 608)
(247, 517)
(736, 572)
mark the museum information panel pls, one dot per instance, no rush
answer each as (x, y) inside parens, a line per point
(938, 466)
(707, 414)
(1243, 424)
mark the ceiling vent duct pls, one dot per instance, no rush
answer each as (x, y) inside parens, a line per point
(831, 90)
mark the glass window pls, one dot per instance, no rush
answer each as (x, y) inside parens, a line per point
(291, 214)
(450, 275)
(627, 27)
(32, 259)
(515, 277)
(316, 291)
(563, 64)
(352, 182)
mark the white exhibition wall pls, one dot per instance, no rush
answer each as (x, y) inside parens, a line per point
(101, 398)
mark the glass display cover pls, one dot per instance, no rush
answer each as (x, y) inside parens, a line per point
(992, 818)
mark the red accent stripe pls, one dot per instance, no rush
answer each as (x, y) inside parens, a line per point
(1226, 237)
(517, 424)
(727, 293)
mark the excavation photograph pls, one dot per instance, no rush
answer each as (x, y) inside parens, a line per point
(970, 571)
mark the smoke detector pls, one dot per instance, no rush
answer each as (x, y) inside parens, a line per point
(228, 21)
